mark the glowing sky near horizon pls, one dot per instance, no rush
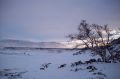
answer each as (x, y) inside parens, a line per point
(52, 20)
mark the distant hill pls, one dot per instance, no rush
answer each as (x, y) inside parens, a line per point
(22, 43)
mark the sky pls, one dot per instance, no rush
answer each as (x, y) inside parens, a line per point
(53, 20)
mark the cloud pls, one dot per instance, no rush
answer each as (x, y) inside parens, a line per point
(53, 19)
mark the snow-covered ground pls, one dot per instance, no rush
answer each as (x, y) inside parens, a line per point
(27, 64)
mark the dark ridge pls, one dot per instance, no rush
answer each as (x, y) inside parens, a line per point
(21, 48)
(116, 41)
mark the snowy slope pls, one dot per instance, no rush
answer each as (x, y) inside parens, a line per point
(26, 64)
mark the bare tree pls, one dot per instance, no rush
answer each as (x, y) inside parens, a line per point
(94, 37)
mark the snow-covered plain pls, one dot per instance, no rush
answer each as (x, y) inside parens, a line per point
(26, 64)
